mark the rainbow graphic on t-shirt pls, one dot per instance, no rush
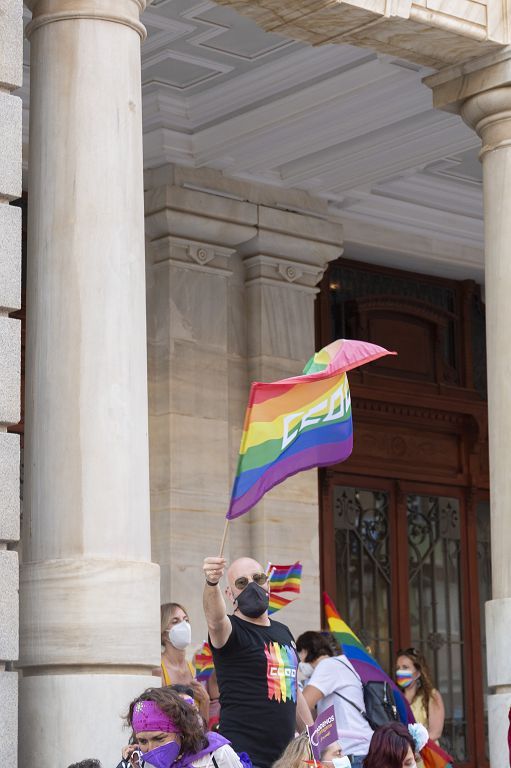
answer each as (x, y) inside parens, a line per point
(282, 664)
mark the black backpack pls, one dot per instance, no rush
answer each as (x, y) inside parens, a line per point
(379, 703)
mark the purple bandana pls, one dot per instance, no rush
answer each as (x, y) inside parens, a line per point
(215, 741)
(147, 716)
(162, 757)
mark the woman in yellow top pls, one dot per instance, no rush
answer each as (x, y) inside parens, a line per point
(176, 636)
(414, 678)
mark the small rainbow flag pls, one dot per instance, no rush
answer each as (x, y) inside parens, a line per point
(285, 578)
(276, 602)
(368, 668)
(203, 662)
(298, 423)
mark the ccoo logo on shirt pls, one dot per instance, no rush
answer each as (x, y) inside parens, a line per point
(281, 666)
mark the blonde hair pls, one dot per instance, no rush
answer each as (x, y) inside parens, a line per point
(166, 611)
(295, 754)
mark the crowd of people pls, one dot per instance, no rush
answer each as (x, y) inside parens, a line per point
(266, 689)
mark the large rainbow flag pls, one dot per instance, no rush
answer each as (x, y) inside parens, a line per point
(298, 423)
(368, 668)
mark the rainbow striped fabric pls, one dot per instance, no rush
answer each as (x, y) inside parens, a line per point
(368, 668)
(282, 663)
(276, 602)
(203, 662)
(283, 578)
(298, 423)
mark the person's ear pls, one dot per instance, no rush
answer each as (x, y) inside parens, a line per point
(229, 594)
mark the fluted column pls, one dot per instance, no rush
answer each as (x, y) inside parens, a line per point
(481, 92)
(89, 593)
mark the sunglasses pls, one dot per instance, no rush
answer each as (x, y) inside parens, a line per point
(259, 578)
(409, 652)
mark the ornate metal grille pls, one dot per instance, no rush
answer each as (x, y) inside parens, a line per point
(435, 601)
(361, 523)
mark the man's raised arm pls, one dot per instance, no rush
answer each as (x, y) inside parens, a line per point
(215, 611)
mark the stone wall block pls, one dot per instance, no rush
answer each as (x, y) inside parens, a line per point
(9, 605)
(11, 43)
(9, 710)
(10, 370)
(10, 146)
(10, 257)
(10, 485)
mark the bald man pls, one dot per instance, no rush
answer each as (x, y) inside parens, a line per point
(255, 661)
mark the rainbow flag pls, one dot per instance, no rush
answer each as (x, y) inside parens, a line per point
(368, 668)
(276, 602)
(285, 578)
(203, 662)
(298, 423)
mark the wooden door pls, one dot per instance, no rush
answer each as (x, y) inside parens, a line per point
(404, 522)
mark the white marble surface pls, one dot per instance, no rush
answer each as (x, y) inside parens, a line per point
(90, 596)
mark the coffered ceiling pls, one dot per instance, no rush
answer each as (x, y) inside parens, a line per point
(339, 122)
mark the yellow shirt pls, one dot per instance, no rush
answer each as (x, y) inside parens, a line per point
(420, 711)
(165, 674)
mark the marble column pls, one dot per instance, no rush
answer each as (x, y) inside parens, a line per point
(283, 265)
(89, 593)
(197, 381)
(481, 93)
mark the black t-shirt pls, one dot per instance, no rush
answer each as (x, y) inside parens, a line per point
(256, 672)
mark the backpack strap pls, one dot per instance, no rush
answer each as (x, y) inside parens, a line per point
(348, 666)
(360, 711)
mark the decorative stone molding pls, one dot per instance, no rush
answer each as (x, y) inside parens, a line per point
(290, 248)
(423, 32)
(204, 220)
(453, 86)
(489, 114)
(264, 269)
(192, 254)
(118, 11)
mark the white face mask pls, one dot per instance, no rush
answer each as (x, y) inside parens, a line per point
(341, 762)
(306, 669)
(180, 635)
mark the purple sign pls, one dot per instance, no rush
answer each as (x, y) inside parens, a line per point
(323, 732)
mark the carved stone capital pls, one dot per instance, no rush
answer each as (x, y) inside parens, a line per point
(192, 254)
(263, 269)
(290, 248)
(480, 91)
(125, 12)
(489, 114)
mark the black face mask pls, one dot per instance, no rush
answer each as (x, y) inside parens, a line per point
(253, 601)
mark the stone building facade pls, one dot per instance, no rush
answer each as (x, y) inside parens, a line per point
(143, 336)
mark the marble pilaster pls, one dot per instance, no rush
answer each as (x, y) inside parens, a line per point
(197, 381)
(283, 265)
(89, 592)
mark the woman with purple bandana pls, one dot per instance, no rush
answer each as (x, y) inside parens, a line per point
(168, 733)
